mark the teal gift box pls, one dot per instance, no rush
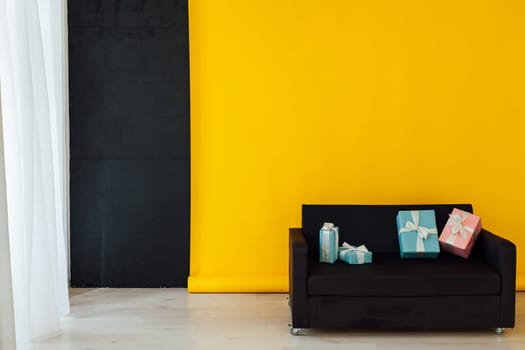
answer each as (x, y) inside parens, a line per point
(355, 255)
(417, 234)
(328, 242)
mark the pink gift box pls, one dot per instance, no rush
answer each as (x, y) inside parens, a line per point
(460, 233)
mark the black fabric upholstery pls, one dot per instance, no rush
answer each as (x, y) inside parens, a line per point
(373, 225)
(298, 275)
(433, 312)
(389, 275)
(449, 292)
(501, 255)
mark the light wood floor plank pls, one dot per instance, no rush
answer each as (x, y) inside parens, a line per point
(173, 319)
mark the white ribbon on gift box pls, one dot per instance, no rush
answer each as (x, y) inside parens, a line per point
(327, 226)
(456, 220)
(422, 232)
(360, 252)
(326, 244)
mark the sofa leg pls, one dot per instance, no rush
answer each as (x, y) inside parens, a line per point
(500, 330)
(294, 331)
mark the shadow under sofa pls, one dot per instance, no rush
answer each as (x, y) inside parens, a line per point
(449, 292)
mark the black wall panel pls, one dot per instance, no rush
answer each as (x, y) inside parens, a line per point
(130, 146)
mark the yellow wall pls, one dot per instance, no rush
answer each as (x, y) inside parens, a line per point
(310, 101)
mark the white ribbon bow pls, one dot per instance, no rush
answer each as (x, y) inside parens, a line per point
(361, 250)
(456, 220)
(327, 226)
(422, 232)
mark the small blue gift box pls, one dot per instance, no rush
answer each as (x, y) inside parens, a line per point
(355, 255)
(417, 234)
(328, 242)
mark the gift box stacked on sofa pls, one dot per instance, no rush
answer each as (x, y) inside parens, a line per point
(329, 251)
(417, 235)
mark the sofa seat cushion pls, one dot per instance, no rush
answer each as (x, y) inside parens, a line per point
(389, 275)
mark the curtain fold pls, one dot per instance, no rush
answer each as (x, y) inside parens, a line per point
(34, 105)
(7, 319)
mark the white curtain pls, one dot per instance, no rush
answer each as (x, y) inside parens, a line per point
(34, 112)
(7, 320)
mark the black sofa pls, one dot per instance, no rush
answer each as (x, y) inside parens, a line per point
(393, 293)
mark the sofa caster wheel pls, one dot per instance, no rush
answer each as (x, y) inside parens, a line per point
(500, 330)
(294, 331)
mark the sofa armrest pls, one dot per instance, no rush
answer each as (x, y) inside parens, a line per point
(298, 276)
(500, 254)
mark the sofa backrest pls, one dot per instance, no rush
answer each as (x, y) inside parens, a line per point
(372, 225)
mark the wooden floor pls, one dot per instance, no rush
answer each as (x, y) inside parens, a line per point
(155, 319)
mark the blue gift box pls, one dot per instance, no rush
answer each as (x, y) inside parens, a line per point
(328, 242)
(355, 255)
(417, 234)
